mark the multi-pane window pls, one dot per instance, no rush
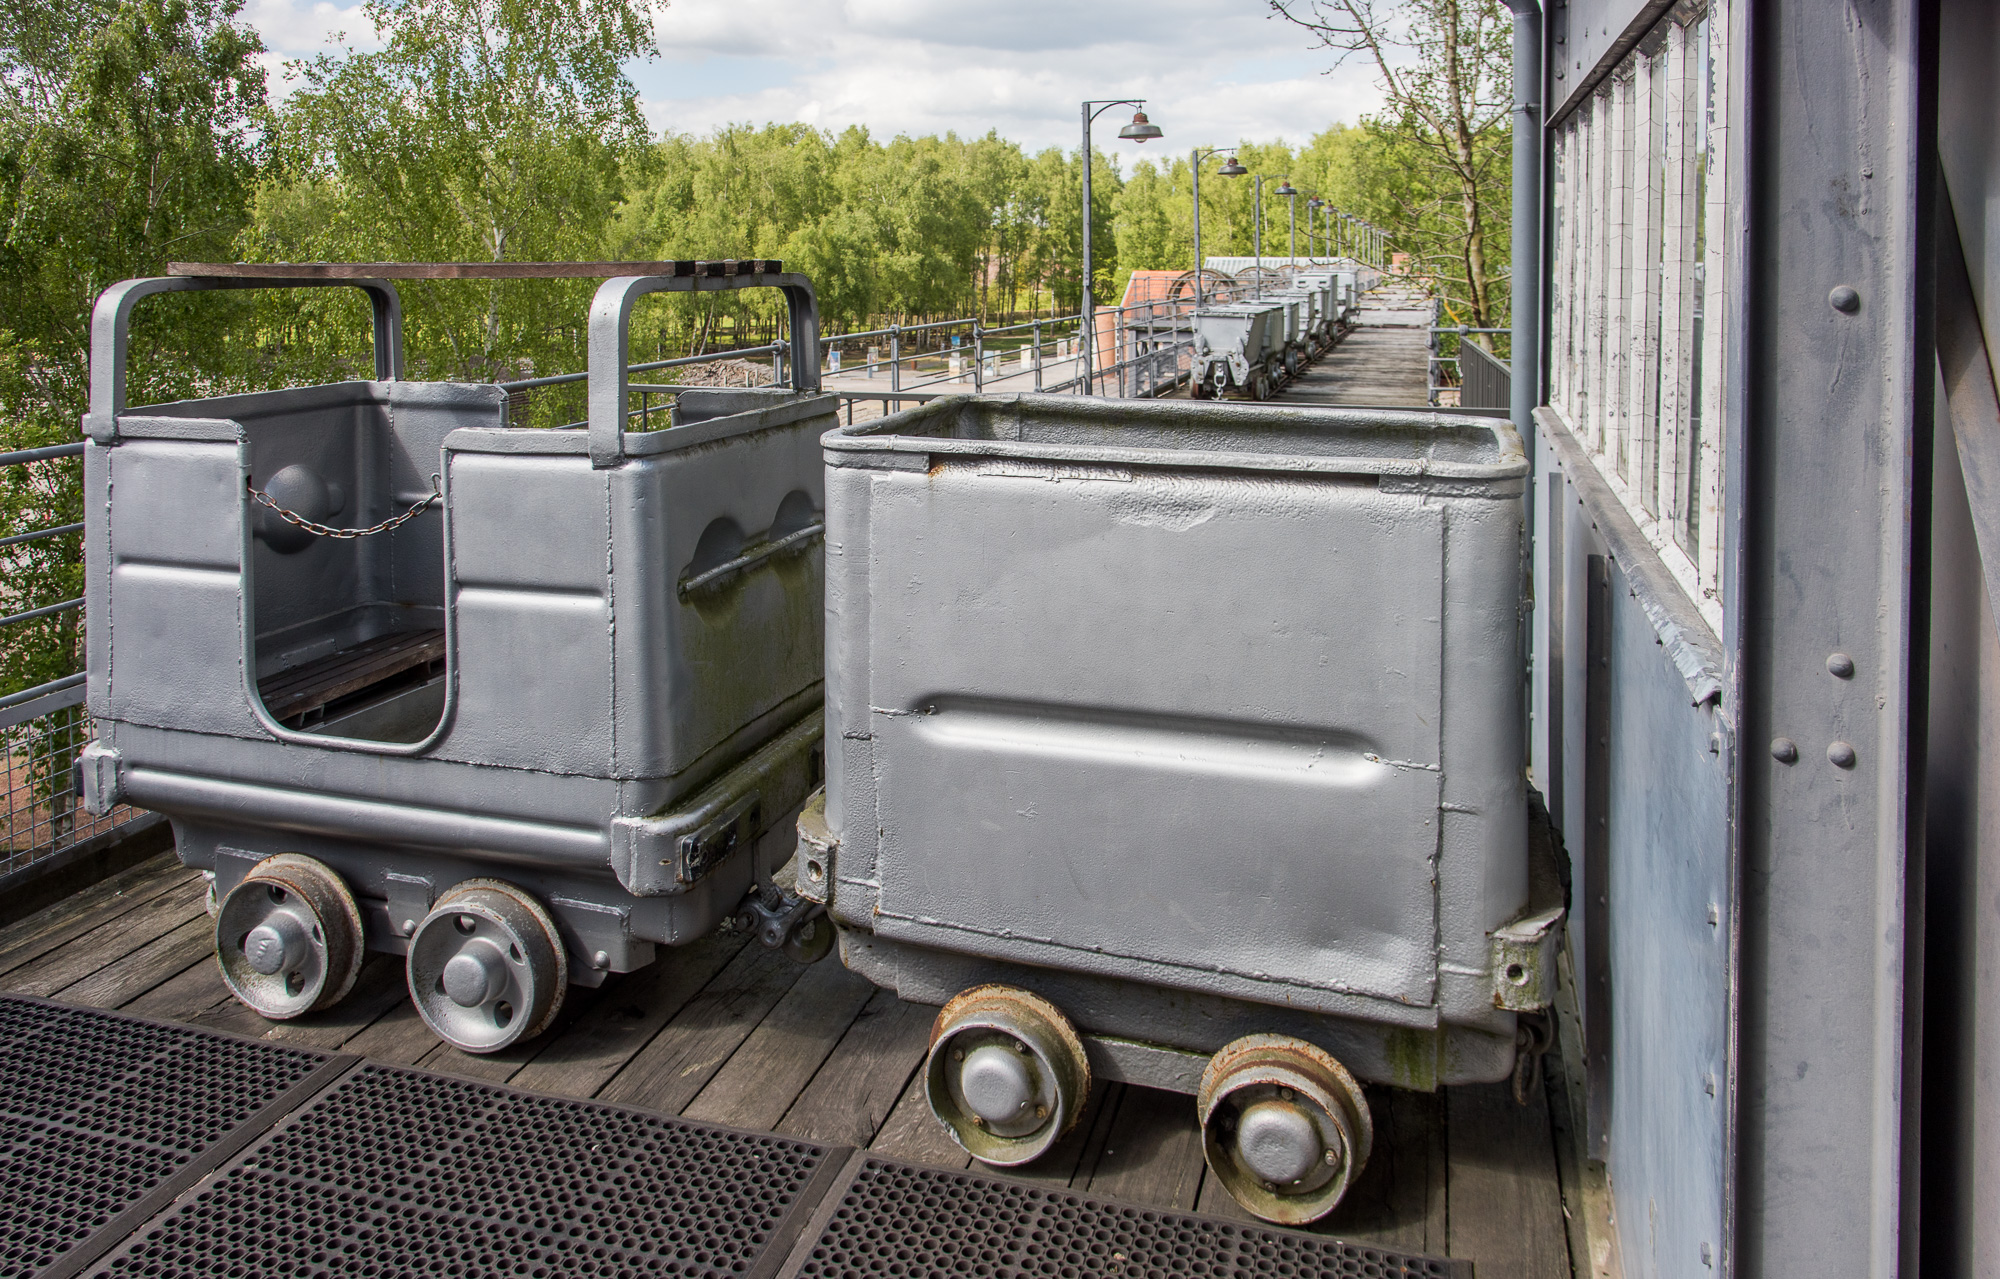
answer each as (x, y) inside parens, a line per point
(1635, 288)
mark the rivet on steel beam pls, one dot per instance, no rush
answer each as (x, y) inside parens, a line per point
(1840, 666)
(1784, 750)
(1844, 299)
(1840, 755)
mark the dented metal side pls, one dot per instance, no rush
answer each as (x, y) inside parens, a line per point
(1185, 698)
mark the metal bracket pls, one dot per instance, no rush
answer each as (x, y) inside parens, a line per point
(706, 847)
(814, 858)
(1524, 961)
(100, 770)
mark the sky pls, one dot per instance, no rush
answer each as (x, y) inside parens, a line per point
(1212, 71)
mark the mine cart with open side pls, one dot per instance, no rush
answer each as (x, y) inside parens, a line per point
(521, 704)
(1180, 744)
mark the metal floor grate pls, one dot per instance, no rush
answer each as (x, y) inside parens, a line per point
(893, 1220)
(103, 1118)
(395, 1171)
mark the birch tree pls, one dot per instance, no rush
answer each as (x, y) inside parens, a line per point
(1445, 67)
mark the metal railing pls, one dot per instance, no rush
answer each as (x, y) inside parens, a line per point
(1445, 372)
(1148, 345)
(43, 726)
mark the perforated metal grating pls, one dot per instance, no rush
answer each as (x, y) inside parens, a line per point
(98, 1111)
(394, 1172)
(898, 1221)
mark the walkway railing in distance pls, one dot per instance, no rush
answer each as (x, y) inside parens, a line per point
(1142, 349)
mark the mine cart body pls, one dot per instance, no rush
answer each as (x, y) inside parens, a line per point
(1197, 720)
(1237, 343)
(591, 666)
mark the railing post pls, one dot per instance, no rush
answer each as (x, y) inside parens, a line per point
(1038, 353)
(978, 358)
(895, 357)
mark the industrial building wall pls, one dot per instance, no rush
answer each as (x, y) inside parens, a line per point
(1624, 686)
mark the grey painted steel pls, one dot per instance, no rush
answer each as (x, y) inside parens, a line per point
(1484, 380)
(621, 736)
(1205, 794)
(111, 324)
(1838, 417)
(1591, 36)
(1246, 338)
(936, 1221)
(1525, 247)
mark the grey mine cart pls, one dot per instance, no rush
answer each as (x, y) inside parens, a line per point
(1179, 744)
(522, 705)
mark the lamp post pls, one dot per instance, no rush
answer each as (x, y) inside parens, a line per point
(1313, 206)
(1291, 193)
(1257, 238)
(1140, 130)
(1231, 169)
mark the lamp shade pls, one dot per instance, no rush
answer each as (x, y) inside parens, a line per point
(1287, 188)
(1232, 169)
(1141, 129)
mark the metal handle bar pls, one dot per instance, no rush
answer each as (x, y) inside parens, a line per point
(610, 342)
(111, 322)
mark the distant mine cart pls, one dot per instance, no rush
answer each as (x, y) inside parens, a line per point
(1239, 350)
(523, 705)
(1181, 744)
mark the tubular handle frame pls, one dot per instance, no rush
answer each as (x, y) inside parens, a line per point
(111, 323)
(610, 343)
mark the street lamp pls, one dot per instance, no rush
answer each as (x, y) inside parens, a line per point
(1290, 193)
(1140, 130)
(1230, 169)
(1313, 206)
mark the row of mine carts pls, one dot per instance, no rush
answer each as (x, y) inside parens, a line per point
(1249, 349)
(1054, 712)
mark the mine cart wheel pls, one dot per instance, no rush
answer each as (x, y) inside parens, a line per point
(1260, 386)
(1006, 1075)
(288, 937)
(1284, 1127)
(487, 967)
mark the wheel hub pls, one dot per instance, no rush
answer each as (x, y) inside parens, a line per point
(487, 967)
(275, 944)
(1277, 1141)
(288, 937)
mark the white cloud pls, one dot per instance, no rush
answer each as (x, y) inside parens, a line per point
(1213, 71)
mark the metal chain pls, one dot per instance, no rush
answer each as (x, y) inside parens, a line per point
(324, 530)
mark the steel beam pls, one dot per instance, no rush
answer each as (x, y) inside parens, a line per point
(1834, 419)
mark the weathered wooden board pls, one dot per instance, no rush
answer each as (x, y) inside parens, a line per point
(726, 1030)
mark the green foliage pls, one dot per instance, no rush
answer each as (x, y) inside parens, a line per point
(123, 141)
(1435, 168)
(484, 130)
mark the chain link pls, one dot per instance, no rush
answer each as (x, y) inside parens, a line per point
(345, 534)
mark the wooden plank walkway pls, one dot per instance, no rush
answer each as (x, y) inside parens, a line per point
(1383, 362)
(727, 1031)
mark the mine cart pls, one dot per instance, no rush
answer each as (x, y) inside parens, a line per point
(519, 704)
(1238, 347)
(1180, 744)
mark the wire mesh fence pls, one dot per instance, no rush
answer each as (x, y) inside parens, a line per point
(44, 815)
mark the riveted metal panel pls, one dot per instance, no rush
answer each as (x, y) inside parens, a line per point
(1837, 201)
